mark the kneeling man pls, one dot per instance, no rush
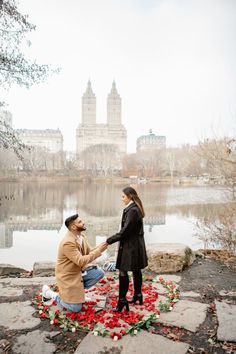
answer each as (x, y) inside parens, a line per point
(73, 271)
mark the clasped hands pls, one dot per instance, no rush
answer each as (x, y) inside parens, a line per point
(102, 246)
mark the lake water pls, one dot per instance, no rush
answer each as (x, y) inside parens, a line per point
(32, 215)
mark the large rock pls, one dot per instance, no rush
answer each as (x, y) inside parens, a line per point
(6, 269)
(44, 269)
(169, 257)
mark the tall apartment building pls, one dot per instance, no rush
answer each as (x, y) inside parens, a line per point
(90, 133)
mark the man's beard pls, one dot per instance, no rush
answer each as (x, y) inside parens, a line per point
(81, 228)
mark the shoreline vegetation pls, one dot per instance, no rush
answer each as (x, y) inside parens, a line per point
(192, 180)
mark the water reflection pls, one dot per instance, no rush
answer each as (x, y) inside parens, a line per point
(29, 207)
(6, 236)
(32, 214)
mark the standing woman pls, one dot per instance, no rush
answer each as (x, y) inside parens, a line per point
(132, 251)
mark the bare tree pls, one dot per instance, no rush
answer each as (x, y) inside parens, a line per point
(15, 67)
(8, 161)
(219, 157)
(220, 160)
(41, 159)
(102, 160)
(220, 230)
(151, 163)
(130, 165)
(171, 161)
(10, 140)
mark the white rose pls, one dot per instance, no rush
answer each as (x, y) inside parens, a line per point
(40, 311)
(157, 316)
(115, 338)
(171, 308)
(52, 321)
(73, 329)
(95, 333)
(135, 331)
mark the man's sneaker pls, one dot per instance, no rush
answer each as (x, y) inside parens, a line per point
(47, 302)
(46, 292)
(109, 266)
(48, 296)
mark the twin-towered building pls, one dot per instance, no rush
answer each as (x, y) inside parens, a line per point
(90, 133)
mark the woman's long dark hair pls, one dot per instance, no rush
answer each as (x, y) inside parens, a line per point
(132, 194)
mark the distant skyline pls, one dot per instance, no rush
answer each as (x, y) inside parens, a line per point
(173, 63)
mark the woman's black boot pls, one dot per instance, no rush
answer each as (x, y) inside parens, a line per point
(123, 289)
(121, 304)
(138, 279)
(137, 297)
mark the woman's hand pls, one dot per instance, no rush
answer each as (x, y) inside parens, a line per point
(102, 247)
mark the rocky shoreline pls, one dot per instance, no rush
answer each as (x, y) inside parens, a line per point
(203, 321)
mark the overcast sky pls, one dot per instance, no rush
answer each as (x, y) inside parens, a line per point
(174, 63)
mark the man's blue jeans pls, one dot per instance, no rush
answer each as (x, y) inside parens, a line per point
(90, 279)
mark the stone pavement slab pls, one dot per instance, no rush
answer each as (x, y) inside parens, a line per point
(189, 294)
(227, 293)
(9, 291)
(33, 343)
(185, 314)
(160, 288)
(226, 314)
(18, 315)
(143, 342)
(28, 281)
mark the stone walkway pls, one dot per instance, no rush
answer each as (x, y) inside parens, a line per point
(188, 313)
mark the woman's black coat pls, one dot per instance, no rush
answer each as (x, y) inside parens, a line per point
(132, 251)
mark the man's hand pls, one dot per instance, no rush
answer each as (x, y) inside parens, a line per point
(102, 247)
